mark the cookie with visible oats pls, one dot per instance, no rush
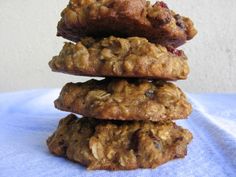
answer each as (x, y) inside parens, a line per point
(120, 57)
(124, 99)
(118, 145)
(125, 18)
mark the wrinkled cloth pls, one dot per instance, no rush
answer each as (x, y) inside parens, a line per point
(27, 118)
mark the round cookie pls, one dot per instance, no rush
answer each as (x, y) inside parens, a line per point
(125, 99)
(118, 145)
(120, 57)
(125, 18)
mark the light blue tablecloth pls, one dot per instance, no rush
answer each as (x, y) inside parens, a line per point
(28, 118)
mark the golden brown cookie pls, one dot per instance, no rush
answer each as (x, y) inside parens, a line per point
(125, 18)
(124, 99)
(118, 145)
(119, 57)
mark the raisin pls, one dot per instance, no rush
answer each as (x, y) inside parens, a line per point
(156, 141)
(150, 93)
(179, 21)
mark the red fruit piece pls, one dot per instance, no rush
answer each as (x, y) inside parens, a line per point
(162, 4)
(175, 51)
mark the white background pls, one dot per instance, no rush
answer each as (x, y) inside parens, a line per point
(28, 41)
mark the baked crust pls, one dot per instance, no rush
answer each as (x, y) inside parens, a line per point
(118, 145)
(120, 57)
(125, 18)
(124, 99)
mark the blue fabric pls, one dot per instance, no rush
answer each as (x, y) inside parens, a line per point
(28, 118)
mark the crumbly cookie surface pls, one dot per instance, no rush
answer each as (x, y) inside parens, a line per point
(120, 57)
(125, 18)
(124, 99)
(118, 145)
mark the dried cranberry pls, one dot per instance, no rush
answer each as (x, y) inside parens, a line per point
(175, 51)
(162, 4)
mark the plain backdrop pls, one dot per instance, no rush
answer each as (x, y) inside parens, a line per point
(28, 41)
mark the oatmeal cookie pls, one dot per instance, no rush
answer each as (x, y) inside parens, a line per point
(118, 145)
(120, 57)
(125, 18)
(124, 99)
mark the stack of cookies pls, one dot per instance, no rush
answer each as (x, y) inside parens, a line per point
(128, 116)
